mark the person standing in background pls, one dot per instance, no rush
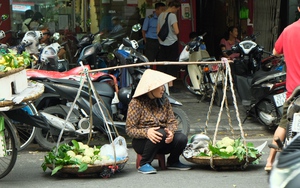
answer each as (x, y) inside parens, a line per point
(169, 47)
(149, 33)
(116, 25)
(25, 25)
(36, 21)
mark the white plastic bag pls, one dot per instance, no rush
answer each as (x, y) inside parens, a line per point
(107, 150)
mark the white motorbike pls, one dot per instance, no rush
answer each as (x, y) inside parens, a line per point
(200, 79)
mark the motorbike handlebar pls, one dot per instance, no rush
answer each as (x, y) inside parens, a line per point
(28, 44)
(64, 43)
(203, 34)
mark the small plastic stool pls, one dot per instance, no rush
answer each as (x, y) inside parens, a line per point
(159, 157)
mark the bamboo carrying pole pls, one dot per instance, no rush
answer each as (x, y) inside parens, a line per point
(157, 63)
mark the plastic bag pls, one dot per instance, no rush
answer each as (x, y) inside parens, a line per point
(107, 150)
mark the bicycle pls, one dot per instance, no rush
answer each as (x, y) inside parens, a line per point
(9, 142)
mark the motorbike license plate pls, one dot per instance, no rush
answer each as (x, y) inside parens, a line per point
(279, 99)
(213, 76)
(296, 122)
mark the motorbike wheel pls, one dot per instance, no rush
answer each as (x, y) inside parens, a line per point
(188, 84)
(218, 96)
(266, 113)
(26, 132)
(48, 138)
(183, 121)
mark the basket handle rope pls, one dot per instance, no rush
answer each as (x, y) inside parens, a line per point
(228, 75)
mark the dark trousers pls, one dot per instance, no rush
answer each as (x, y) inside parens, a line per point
(168, 53)
(148, 150)
(151, 49)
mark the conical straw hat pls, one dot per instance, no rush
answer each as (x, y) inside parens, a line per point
(151, 80)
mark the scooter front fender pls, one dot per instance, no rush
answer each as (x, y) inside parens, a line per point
(174, 101)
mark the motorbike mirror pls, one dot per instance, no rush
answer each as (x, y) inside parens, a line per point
(136, 27)
(56, 36)
(4, 17)
(110, 56)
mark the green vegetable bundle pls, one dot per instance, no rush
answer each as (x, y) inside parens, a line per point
(228, 147)
(79, 155)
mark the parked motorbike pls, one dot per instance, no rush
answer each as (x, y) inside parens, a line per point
(262, 93)
(207, 73)
(285, 172)
(60, 93)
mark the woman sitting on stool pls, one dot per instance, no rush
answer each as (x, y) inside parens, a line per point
(152, 124)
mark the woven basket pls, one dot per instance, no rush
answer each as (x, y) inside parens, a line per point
(6, 73)
(73, 169)
(218, 161)
(31, 97)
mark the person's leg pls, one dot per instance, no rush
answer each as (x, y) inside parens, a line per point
(279, 133)
(152, 48)
(148, 149)
(172, 55)
(175, 148)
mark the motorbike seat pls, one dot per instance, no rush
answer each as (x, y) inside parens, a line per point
(262, 74)
(295, 93)
(102, 88)
(209, 59)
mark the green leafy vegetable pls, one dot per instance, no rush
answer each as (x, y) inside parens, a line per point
(227, 147)
(78, 154)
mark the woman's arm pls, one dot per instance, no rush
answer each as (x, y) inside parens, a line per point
(133, 119)
(172, 123)
(175, 27)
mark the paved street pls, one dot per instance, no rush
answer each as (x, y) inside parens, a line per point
(28, 173)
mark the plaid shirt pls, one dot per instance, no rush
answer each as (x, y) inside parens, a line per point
(143, 113)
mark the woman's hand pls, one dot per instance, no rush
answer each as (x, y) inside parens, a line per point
(153, 135)
(170, 136)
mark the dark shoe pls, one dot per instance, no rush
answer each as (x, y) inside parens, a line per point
(147, 169)
(174, 90)
(178, 166)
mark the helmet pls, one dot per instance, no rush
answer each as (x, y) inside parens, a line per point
(125, 94)
(198, 137)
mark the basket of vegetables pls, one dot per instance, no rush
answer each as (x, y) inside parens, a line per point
(79, 158)
(12, 62)
(226, 152)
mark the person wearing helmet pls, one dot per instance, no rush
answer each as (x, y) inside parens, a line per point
(116, 25)
(28, 15)
(36, 21)
(152, 124)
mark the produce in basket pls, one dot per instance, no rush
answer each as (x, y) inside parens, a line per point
(79, 155)
(225, 148)
(228, 147)
(12, 60)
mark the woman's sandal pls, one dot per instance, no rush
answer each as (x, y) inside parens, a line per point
(268, 168)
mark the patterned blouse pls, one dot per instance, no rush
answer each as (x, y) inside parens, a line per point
(144, 113)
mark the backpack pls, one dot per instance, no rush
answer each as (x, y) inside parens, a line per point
(164, 30)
